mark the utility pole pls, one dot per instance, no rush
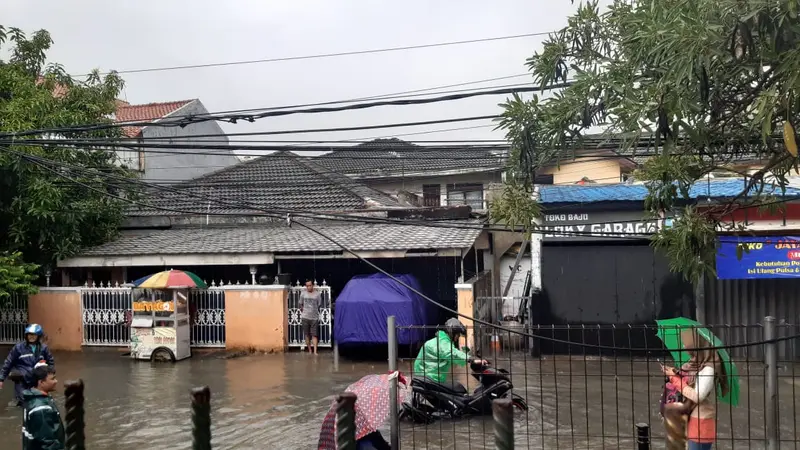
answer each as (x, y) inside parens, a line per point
(536, 273)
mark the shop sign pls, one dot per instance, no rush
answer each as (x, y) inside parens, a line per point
(598, 225)
(153, 306)
(758, 257)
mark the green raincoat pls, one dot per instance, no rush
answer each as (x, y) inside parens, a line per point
(42, 428)
(437, 357)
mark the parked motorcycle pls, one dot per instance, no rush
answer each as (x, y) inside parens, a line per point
(431, 400)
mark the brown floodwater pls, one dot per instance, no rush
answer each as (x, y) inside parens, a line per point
(278, 402)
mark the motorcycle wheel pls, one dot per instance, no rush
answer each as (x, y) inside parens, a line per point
(519, 402)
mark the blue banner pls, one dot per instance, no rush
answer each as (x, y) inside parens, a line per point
(762, 257)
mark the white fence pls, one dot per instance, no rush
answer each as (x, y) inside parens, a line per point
(325, 331)
(13, 318)
(107, 313)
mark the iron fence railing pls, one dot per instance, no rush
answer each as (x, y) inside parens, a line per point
(325, 331)
(590, 386)
(13, 318)
(106, 313)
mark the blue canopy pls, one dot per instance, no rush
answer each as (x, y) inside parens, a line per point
(368, 300)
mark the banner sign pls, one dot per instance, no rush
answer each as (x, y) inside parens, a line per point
(577, 226)
(762, 257)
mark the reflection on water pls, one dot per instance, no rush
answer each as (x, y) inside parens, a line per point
(278, 401)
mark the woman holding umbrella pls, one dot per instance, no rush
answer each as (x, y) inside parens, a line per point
(699, 381)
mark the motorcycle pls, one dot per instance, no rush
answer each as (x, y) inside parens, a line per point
(431, 400)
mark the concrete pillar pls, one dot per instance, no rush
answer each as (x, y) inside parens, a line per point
(58, 311)
(466, 301)
(256, 318)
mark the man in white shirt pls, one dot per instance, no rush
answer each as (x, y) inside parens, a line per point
(309, 315)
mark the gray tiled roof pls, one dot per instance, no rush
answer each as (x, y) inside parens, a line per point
(281, 180)
(278, 238)
(394, 157)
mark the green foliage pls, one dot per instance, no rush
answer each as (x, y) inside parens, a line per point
(43, 214)
(16, 276)
(702, 81)
(515, 208)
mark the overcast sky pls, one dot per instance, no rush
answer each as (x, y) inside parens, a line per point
(139, 34)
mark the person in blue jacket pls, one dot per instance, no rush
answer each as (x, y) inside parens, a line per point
(22, 359)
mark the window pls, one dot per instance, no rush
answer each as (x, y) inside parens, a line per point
(465, 194)
(431, 195)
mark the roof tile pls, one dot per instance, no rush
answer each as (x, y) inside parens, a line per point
(278, 238)
(150, 111)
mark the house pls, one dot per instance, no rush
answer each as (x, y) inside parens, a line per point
(171, 165)
(221, 224)
(428, 176)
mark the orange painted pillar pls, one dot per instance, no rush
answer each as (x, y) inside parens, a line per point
(257, 318)
(466, 302)
(58, 311)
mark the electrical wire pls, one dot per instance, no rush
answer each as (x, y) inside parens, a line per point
(234, 118)
(328, 55)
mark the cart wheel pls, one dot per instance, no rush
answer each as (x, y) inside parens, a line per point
(162, 354)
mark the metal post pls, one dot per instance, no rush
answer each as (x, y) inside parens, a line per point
(335, 356)
(642, 436)
(771, 402)
(503, 414)
(394, 424)
(75, 427)
(346, 421)
(201, 418)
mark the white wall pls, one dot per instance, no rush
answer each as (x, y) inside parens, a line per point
(414, 185)
(506, 265)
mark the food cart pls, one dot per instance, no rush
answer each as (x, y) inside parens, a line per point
(160, 325)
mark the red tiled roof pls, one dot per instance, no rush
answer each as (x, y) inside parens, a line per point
(151, 111)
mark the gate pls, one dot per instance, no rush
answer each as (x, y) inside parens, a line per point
(107, 312)
(325, 332)
(13, 318)
(208, 318)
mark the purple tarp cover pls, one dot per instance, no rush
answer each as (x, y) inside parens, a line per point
(368, 300)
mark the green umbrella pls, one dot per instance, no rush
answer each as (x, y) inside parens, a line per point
(669, 331)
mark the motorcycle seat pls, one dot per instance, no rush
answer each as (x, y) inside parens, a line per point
(429, 384)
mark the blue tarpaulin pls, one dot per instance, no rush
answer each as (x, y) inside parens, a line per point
(368, 300)
(761, 257)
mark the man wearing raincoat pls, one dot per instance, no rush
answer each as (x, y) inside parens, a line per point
(22, 359)
(438, 355)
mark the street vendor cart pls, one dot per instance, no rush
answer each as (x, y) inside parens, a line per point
(160, 326)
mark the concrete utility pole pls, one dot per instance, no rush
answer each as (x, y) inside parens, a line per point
(536, 270)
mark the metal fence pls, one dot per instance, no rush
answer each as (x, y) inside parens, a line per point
(325, 331)
(590, 386)
(107, 313)
(208, 318)
(13, 318)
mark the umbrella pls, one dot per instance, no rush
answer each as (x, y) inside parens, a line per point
(669, 331)
(170, 279)
(372, 407)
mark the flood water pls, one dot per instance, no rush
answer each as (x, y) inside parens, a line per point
(278, 401)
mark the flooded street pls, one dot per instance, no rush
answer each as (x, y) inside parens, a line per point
(278, 401)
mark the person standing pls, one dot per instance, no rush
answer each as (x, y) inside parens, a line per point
(309, 307)
(42, 428)
(704, 377)
(23, 357)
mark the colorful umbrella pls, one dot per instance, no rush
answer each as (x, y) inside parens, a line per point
(372, 407)
(170, 279)
(669, 331)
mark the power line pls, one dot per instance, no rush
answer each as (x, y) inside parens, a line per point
(234, 118)
(401, 94)
(328, 55)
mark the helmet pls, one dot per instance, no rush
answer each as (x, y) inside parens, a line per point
(454, 327)
(34, 328)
